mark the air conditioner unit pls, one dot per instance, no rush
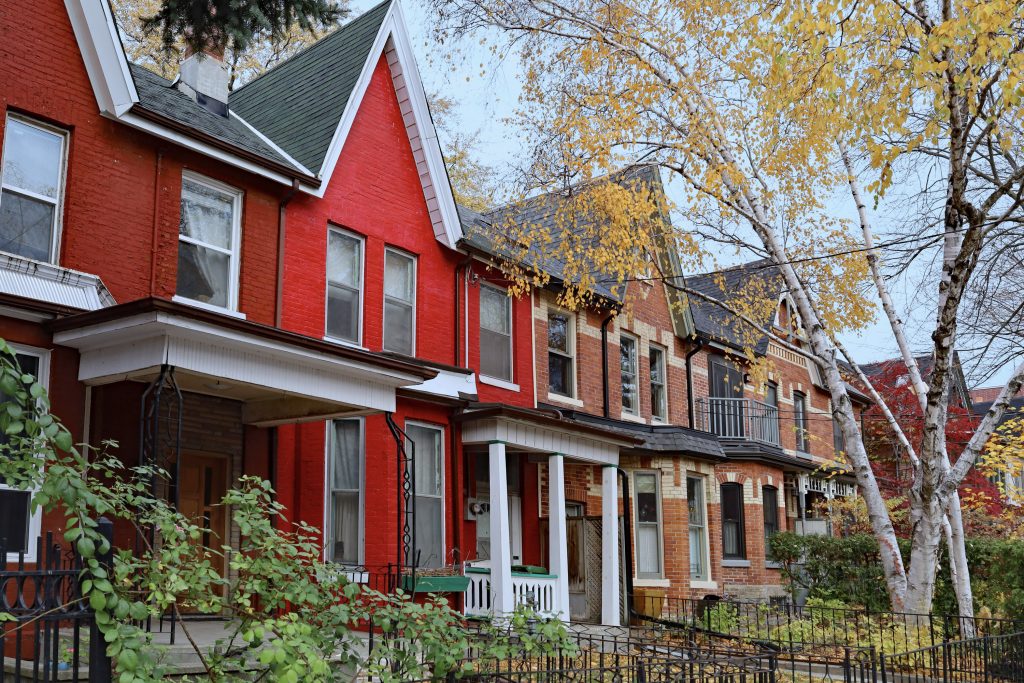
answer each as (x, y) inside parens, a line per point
(476, 507)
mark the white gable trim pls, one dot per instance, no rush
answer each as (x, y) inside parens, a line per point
(270, 143)
(393, 41)
(105, 62)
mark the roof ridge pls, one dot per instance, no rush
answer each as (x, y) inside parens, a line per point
(306, 50)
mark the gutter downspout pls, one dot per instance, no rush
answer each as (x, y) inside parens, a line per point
(279, 286)
(604, 364)
(689, 380)
(463, 264)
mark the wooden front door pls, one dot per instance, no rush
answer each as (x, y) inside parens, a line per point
(202, 485)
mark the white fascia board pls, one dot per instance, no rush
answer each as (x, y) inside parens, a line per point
(549, 439)
(105, 61)
(448, 384)
(271, 143)
(41, 281)
(143, 124)
(393, 28)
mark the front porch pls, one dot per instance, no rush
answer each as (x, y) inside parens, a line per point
(501, 439)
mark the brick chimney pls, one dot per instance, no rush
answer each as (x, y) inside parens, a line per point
(203, 76)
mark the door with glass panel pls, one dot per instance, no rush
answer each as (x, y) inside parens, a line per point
(428, 442)
(725, 403)
(344, 544)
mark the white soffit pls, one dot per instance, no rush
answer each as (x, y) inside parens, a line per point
(52, 284)
(132, 347)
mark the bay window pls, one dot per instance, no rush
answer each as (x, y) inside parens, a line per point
(733, 537)
(208, 237)
(399, 302)
(770, 502)
(659, 397)
(346, 502)
(32, 188)
(648, 525)
(561, 354)
(697, 509)
(428, 442)
(495, 333)
(629, 373)
(344, 286)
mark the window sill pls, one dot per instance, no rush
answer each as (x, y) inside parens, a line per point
(652, 583)
(567, 400)
(772, 564)
(630, 417)
(500, 383)
(344, 342)
(704, 585)
(207, 307)
(736, 563)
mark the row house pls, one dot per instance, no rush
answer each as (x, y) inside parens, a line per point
(276, 281)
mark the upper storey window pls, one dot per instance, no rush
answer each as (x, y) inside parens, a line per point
(344, 286)
(399, 302)
(32, 189)
(495, 333)
(630, 374)
(561, 354)
(208, 237)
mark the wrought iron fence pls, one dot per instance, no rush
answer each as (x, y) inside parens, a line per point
(47, 630)
(998, 658)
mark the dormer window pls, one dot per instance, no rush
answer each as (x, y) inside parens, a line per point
(208, 238)
(32, 192)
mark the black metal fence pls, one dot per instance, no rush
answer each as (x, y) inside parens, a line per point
(47, 631)
(989, 659)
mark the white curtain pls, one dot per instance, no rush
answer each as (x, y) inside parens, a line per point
(346, 483)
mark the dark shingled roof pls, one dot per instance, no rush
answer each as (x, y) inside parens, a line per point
(656, 439)
(299, 103)
(541, 211)
(713, 321)
(1013, 411)
(160, 96)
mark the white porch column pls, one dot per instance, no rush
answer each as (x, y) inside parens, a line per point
(558, 539)
(502, 600)
(610, 591)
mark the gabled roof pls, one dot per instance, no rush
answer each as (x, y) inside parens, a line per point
(161, 97)
(300, 102)
(542, 212)
(716, 323)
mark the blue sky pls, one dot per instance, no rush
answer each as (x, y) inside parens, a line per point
(486, 97)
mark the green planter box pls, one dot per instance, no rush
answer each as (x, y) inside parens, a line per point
(436, 584)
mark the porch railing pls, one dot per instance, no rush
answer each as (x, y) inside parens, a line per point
(533, 590)
(739, 418)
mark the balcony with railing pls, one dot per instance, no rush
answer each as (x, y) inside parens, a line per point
(743, 419)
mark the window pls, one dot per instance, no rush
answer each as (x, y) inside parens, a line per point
(561, 352)
(770, 502)
(346, 492)
(495, 333)
(32, 184)
(208, 242)
(734, 545)
(648, 525)
(428, 457)
(399, 302)
(630, 373)
(698, 528)
(659, 399)
(800, 421)
(344, 286)
(838, 440)
(19, 528)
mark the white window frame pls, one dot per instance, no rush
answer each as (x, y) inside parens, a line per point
(58, 211)
(570, 353)
(800, 422)
(384, 297)
(361, 289)
(511, 341)
(661, 524)
(329, 490)
(35, 518)
(234, 254)
(663, 418)
(441, 465)
(702, 479)
(636, 372)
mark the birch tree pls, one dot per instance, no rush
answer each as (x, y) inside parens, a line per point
(786, 127)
